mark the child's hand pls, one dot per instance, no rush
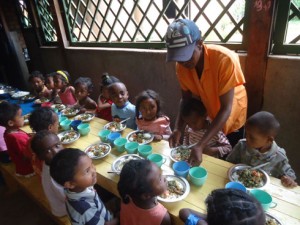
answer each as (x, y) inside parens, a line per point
(158, 137)
(288, 182)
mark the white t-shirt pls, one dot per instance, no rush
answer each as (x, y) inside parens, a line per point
(54, 193)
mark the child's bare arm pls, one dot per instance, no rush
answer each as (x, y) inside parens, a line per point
(102, 105)
(166, 220)
(288, 181)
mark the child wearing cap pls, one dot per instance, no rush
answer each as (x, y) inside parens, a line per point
(211, 73)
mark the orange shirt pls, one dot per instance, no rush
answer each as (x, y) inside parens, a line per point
(221, 73)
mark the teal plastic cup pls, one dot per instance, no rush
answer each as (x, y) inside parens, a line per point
(62, 118)
(157, 159)
(181, 168)
(236, 185)
(120, 144)
(131, 147)
(65, 124)
(264, 198)
(103, 135)
(198, 175)
(83, 128)
(144, 150)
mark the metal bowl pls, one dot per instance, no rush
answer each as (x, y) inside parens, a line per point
(175, 155)
(111, 126)
(94, 148)
(85, 117)
(70, 112)
(144, 140)
(271, 217)
(63, 134)
(119, 162)
(233, 176)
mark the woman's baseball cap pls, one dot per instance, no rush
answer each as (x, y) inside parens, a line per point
(181, 38)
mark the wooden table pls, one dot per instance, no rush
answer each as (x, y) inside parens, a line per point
(288, 200)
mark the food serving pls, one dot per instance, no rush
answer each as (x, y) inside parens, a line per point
(85, 117)
(115, 126)
(177, 189)
(248, 177)
(181, 153)
(271, 220)
(20, 94)
(68, 137)
(28, 98)
(98, 150)
(59, 107)
(69, 112)
(41, 100)
(140, 136)
(120, 162)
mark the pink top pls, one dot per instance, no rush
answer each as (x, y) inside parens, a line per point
(159, 126)
(67, 97)
(2, 141)
(133, 215)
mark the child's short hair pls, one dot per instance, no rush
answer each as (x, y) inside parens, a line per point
(146, 95)
(191, 105)
(86, 81)
(107, 80)
(64, 75)
(265, 122)
(7, 112)
(36, 141)
(133, 179)
(64, 163)
(36, 74)
(233, 207)
(50, 74)
(41, 118)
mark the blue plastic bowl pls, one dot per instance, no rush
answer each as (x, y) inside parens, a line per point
(75, 124)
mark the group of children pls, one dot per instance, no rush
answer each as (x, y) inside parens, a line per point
(68, 175)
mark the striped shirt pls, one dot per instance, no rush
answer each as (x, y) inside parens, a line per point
(86, 208)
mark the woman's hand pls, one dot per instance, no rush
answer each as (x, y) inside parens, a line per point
(288, 182)
(174, 138)
(196, 155)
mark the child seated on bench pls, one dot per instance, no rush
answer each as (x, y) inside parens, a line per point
(45, 145)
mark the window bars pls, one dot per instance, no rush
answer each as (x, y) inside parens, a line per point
(24, 15)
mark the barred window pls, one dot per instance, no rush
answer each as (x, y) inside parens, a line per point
(143, 23)
(23, 14)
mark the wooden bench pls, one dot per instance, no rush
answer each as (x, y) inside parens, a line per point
(32, 187)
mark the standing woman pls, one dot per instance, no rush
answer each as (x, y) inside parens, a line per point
(211, 73)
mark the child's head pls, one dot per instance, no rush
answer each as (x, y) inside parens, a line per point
(11, 115)
(45, 145)
(261, 129)
(141, 179)
(118, 93)
(73, 169)
(61, 79)
(49, 82)
(148, 104)
(107, 80)
(233, 207)
(44, 118)
(37, 81)
(193, 113)
(83, 87)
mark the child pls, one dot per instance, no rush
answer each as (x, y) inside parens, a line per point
(195, 116)
(140, 183)
(16, 140)
(43, 118)
(121, 107)
(148, 116)
(260, 147)
(4, 157)
(227, 207)
(66, 92)
(50, 85)
(74, 170)
(104, 102)
(83, 88)
(45, 145)
(37, 81)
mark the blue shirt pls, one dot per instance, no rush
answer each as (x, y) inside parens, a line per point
(128, 110)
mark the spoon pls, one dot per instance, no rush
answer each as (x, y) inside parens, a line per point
(122, 121)
(259, 166)
(113, 172)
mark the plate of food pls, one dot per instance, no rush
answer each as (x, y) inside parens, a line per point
(115, 126)
(271, 220)
(140, 136)
(178, 189)
(98, 150)
(19, 94)
(26, 119)
(85, 117)
(68, 137)
(180, 153)
(251, 179)
(41, 100)
(27, 98)
(69, 112)
(59, 107)
(120, 162)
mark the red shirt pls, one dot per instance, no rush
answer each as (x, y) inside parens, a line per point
(105, 113)
(17, 147)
